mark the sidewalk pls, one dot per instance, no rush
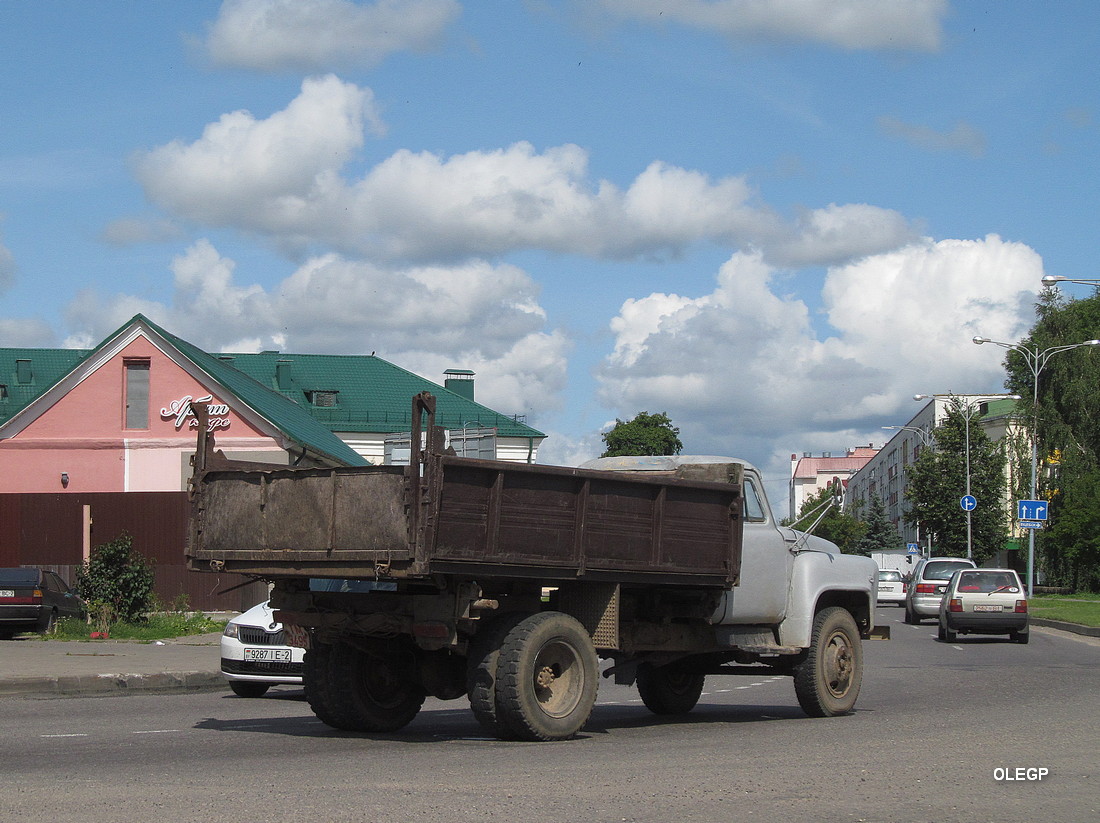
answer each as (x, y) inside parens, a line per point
(29, 666)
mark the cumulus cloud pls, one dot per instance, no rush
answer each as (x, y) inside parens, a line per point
(319, 35)
(17, 332)
(742, 368)
(473, 315)
(7, 268)
(910, 25)
(282, 177)
(962, 138)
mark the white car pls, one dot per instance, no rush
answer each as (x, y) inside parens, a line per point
(255, 655)
(891, 587)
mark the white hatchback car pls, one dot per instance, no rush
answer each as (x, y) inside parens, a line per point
(984, 601)
(891, 587)
(255, 655)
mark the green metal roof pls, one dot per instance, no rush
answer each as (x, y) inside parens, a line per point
(372, 395)
(367, 393)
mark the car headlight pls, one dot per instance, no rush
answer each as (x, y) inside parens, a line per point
(231, 630)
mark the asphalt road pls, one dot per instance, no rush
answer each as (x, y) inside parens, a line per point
(936, 727)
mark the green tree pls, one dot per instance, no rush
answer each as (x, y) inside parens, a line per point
(837, 525)
(1064, 412)
(119, 577)
(879, 533)
(937, 482)
(645, 434)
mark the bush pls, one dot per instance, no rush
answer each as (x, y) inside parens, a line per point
(118, 580)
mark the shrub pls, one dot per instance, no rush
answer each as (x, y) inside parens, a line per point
(119, 577)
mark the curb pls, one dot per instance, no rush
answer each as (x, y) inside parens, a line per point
(1076, 628)
(102, 684)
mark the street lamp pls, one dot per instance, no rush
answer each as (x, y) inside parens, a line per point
(1055, 279)
(1036, 360)
(968, 410)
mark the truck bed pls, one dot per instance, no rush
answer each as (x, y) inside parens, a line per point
(463, 516)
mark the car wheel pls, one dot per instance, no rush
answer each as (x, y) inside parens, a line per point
(1020, 637)
(950, 635)
(244, 688)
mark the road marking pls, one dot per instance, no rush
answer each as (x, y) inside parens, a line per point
(156, 731)
(62, 735)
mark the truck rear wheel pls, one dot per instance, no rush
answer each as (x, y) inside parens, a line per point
(827, 682)
(481, 671)
(547, 677)
(317, 683)
(669, 689)
(372, 691)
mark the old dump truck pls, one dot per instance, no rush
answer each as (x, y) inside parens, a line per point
(505, 583)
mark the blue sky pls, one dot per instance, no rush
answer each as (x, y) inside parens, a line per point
(775, 221)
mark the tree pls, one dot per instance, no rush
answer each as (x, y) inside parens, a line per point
(837, 525)
(117, 578)
(937, 482)
(879, 533)
(645, 434)
(1064, 411)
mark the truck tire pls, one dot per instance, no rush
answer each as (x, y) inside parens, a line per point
(481, 671)
(547, 677)
(827, 682)
(669, 689)
(372, 692)
(317, 683)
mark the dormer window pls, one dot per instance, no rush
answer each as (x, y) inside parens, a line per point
(323, 399)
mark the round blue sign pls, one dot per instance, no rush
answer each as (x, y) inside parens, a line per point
(968, 503)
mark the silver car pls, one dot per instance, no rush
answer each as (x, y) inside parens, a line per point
(984, 601)
(928, 584)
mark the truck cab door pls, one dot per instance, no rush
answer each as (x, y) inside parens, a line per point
(766, 565)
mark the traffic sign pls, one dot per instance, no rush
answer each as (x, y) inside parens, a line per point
(1030, 524)
(968, 503)
(912, 548)
(1031, 510)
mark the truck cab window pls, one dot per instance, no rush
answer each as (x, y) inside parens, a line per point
(754, 508)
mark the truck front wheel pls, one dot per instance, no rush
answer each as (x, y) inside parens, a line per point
(827, 682)
(547, 677)
(671, 689)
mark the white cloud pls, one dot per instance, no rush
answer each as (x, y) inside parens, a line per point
(18, 332)
(318, 35)
(475, 315)
(130, 231)
(7, 268)
(962, 138)
(741, 368)
(846, 24)
(281, 177)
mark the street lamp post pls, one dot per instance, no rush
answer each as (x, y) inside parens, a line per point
(968, 410)
(1036, 360)
(1055, 279)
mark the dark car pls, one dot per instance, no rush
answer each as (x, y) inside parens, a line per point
(32, 600)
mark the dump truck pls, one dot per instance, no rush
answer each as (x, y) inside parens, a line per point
(506, 583)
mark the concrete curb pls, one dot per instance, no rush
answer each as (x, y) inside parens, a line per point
(88, 685)
(1076, 628)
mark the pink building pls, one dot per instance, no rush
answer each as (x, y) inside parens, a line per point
(810, 474)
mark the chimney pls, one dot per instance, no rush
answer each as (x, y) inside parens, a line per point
(460, 381)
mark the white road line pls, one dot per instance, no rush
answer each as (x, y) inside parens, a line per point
(62, 735)
(156, 731)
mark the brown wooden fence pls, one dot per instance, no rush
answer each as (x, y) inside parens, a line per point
(47, 530)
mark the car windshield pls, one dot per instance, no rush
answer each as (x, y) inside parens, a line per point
(987, 581)
(942, 569)
(889, 576)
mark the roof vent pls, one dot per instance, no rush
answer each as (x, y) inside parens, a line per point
(23, 372)
(282, 375)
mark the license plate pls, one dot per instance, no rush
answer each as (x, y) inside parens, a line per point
(7, 592)
(987, 608)
(941, 589)
(885, 588)
(267, 655)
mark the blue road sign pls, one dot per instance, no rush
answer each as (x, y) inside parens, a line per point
(968, 503)
(1031, 510)
(912, 548)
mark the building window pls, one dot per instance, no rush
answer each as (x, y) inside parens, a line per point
(137, 394)
(323, 399)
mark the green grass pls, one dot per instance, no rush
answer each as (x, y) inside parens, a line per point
(159, 626)
(1072, 608)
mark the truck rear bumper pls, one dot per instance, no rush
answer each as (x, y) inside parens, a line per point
(877, 633)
